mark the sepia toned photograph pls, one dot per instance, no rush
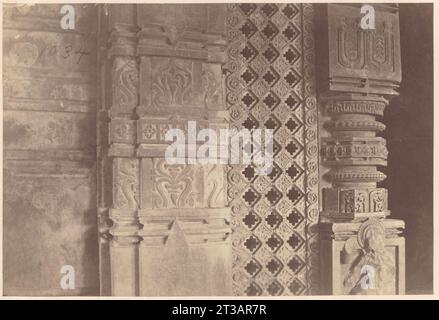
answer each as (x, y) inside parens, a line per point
(217, 149)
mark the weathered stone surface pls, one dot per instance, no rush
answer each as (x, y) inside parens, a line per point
(49, 222)
(348, 247)
(49, 151)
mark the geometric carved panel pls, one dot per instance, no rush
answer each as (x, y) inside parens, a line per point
(363, 60)
(270, 85)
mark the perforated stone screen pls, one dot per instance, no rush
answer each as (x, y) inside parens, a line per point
(271, 85)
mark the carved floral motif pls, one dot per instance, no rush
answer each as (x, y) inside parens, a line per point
(212, 89)
(126, 181)
(122, 131)
(172, 84)
(149, 131)
(173, 185)
(215, 186)
(125, 83)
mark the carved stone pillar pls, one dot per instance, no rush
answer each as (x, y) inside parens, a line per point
(361, 72)
(167, 224)
(119, 169)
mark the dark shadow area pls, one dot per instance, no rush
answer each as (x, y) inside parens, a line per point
(409, 133)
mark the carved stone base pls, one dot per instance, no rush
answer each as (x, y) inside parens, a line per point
(366, 258)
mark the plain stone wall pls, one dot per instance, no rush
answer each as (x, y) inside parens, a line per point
(49, 150)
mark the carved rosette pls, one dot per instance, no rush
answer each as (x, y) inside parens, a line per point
(353, 152)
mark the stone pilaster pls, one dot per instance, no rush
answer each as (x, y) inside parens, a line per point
(119, 169)
(168, 224)
(361, 73)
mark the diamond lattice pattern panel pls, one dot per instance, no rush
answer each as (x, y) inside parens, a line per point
(270, 85)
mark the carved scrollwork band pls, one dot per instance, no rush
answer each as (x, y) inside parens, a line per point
(356, 105)
(355, 174)
(353, 150)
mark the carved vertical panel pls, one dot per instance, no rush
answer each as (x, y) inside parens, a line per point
(125, 184)
(311, 151)
(271, 85)
(125, 84)
(119, 170)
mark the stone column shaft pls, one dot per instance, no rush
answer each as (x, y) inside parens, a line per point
(360, 71)
(353, 153)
